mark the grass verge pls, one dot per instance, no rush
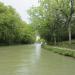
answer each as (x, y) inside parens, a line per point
(61, 51)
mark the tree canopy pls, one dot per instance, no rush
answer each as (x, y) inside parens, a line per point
(12, 29)
(54, 20)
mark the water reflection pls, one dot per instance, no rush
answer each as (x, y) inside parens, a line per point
(29, 60)
(37, 51)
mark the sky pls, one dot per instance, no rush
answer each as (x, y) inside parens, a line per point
(21, 6)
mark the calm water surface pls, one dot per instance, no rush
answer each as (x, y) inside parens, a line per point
(32, 60)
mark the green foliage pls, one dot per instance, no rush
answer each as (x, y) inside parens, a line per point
(12, 29)
(52, 18)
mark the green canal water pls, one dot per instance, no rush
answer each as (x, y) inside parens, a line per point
(33, 60)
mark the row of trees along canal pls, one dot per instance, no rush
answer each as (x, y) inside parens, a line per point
(12, 29)
(54, 20)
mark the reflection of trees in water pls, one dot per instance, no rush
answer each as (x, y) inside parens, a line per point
(37, 51)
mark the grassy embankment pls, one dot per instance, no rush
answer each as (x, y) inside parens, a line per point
(63, 49)
(65, 44)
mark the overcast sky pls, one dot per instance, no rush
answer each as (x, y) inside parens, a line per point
(21, 6)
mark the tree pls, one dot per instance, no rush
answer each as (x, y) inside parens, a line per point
(12, 29)
(52, 19)
(68, 15)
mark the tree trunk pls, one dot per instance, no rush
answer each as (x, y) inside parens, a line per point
(69, 31)
(69, 20)
(54, 39)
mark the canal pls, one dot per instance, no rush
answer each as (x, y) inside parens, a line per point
(33, 60)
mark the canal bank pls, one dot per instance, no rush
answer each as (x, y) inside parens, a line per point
(60, 50)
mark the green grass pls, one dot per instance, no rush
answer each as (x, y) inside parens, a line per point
(65, 44)
(61, 51)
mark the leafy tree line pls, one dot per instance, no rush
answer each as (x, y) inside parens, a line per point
(54, 20)
(12, 29)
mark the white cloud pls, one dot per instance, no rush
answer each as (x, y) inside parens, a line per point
(21, 6)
